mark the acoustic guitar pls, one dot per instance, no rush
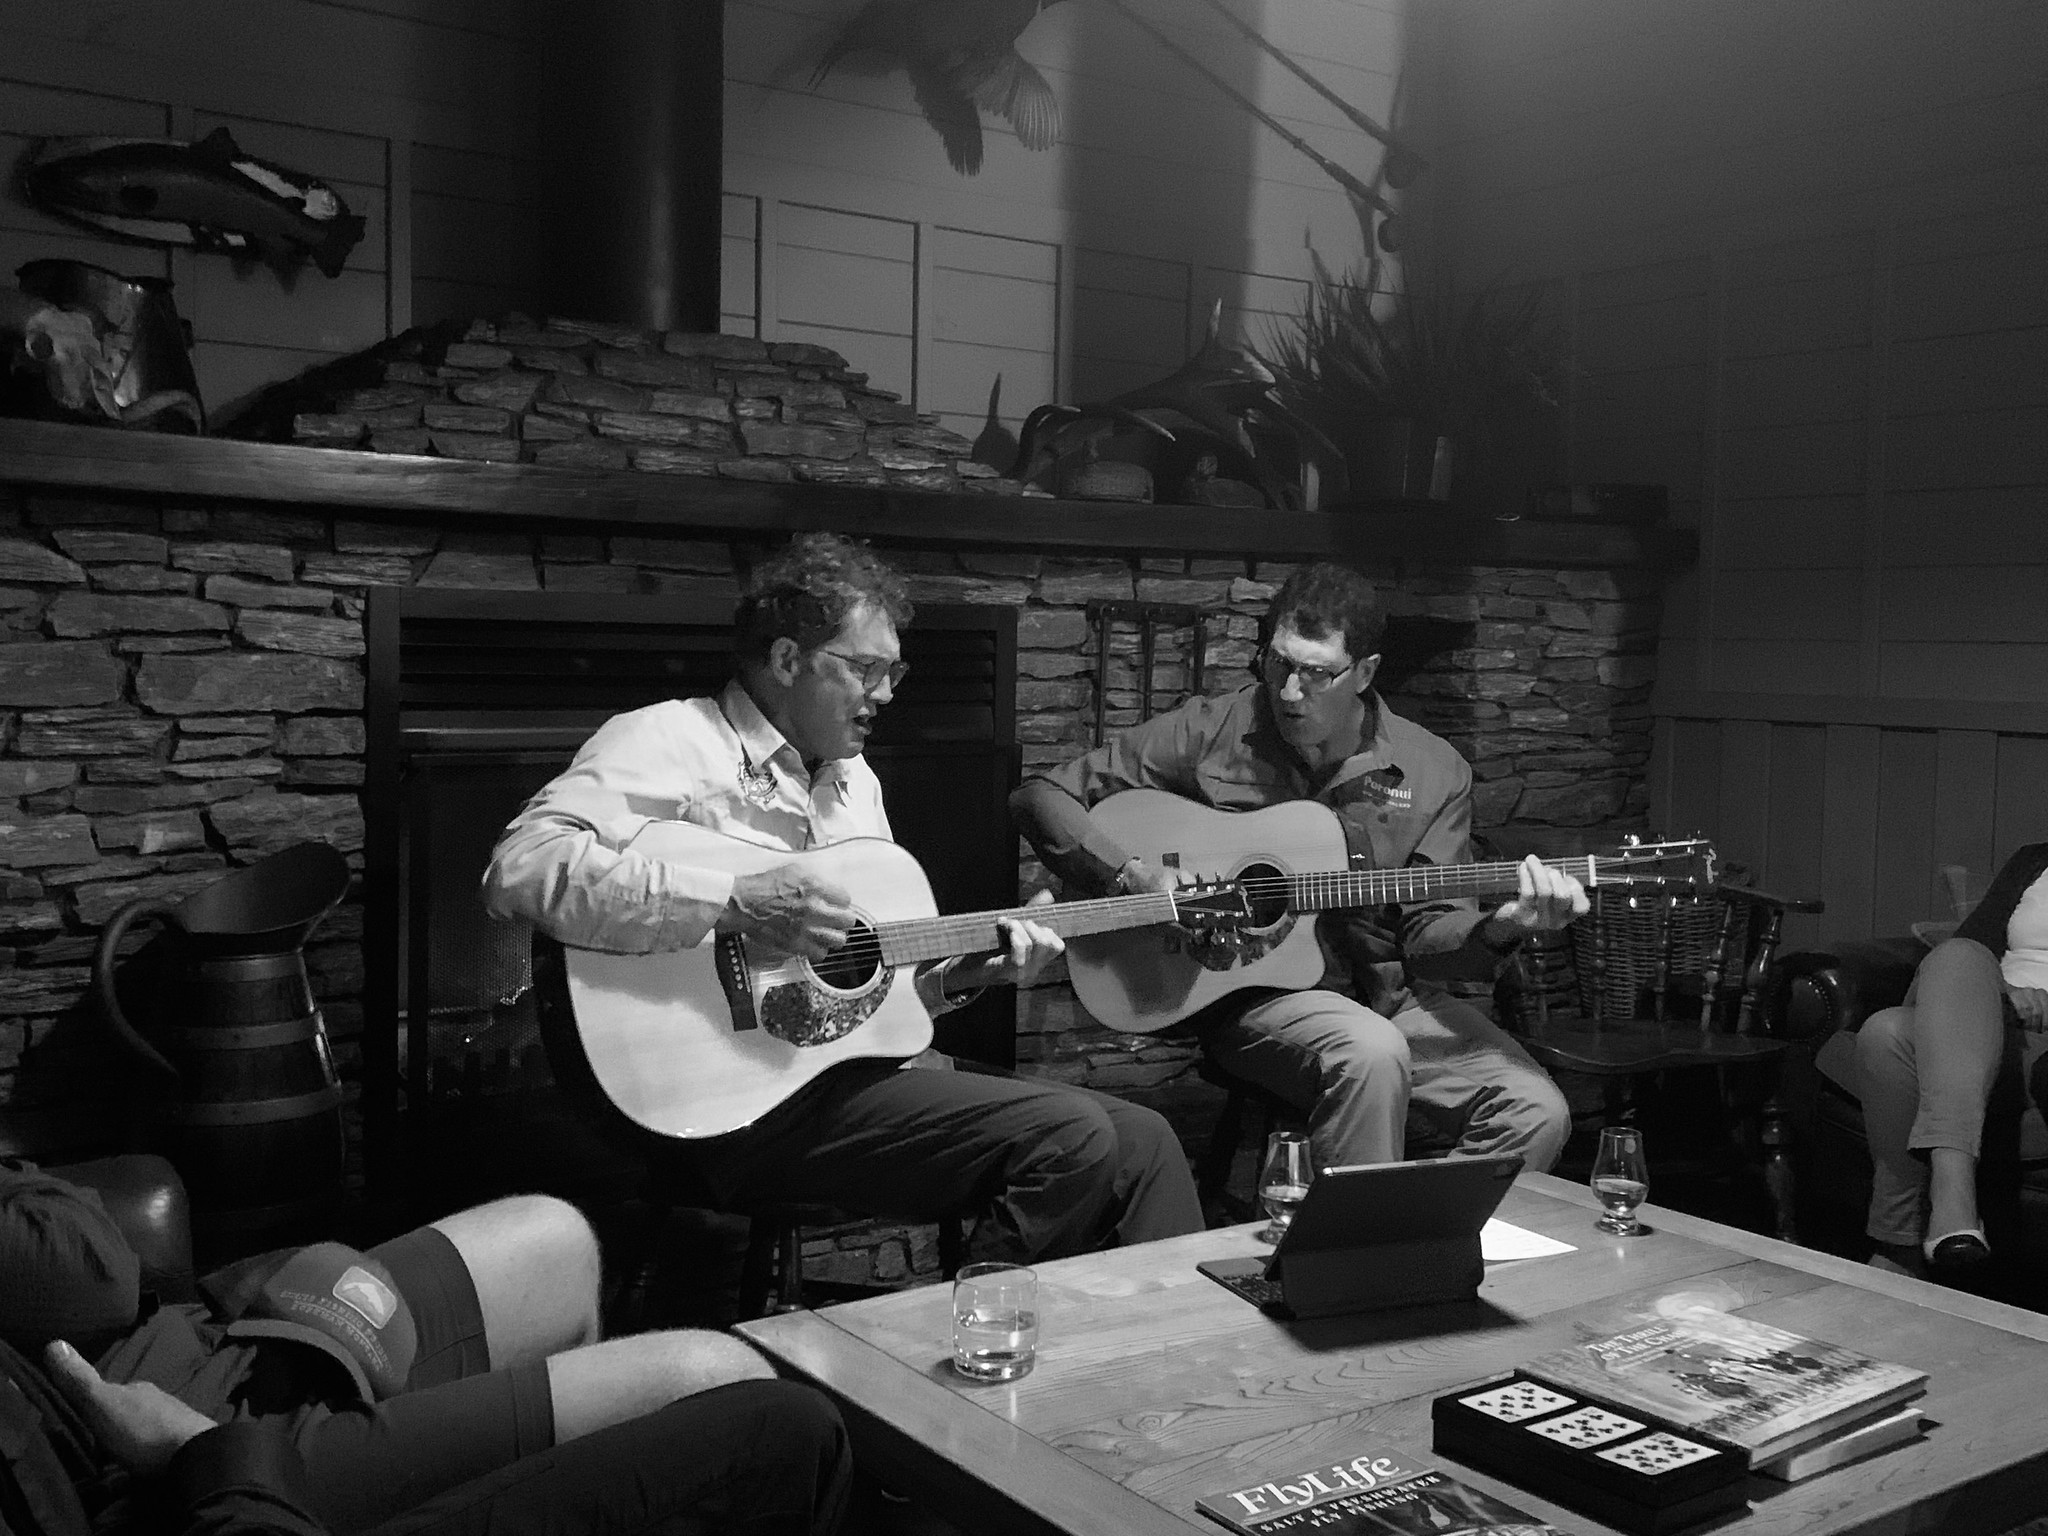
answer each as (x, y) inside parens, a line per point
(1290, 860)
(698, 1042)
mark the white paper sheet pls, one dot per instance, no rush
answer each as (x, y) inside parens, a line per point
(1499, 1242)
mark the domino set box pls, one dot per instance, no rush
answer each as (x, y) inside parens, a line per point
(1622, 1466)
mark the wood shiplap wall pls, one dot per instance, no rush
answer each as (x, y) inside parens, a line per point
(844, 223)
(1803, 253)
(1071, 274)
(1866, 815)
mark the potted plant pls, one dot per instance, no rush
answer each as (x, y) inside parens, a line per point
(1408, 381)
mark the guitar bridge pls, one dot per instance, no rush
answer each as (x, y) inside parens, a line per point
(737, 977)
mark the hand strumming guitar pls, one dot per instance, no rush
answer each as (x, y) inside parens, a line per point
(791, 909)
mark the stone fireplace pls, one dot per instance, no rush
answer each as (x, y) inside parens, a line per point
(182, 687)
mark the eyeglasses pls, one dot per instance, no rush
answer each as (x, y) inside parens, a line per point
(872, 671)
(1276, 669)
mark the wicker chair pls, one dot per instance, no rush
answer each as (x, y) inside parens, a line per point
(1676, 981)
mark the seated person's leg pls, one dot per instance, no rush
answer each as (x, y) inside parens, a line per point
(1038, 1165)
(1153, 1193)
(1475, 1080)
(1335, 1060)
(1888, 1087)
(1958, 1025)
(600, 1385)
(458, 1418)
(766, 1457)
(533, 1262)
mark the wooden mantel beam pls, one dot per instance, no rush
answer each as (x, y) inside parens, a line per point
(374, 485)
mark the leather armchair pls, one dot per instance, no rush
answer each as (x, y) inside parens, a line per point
(146, 1200)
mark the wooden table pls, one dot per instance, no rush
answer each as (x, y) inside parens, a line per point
(1155, 1386)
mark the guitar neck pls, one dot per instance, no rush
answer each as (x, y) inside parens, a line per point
(1333, 889)
(916, 940)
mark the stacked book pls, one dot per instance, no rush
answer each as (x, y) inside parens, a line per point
(1658, 1427)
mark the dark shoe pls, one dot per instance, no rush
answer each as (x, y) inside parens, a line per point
(1959, 1250)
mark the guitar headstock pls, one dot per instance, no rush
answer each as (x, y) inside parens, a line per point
(1212, 905)
(1685, 863)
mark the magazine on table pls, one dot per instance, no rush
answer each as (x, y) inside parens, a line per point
(1371, 1494)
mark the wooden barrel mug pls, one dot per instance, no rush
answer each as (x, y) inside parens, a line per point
(254, 1127)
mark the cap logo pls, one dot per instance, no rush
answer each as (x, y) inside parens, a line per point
(364, 1293)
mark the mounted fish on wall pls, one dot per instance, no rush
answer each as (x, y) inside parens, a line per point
(208, 194)
(962, 59)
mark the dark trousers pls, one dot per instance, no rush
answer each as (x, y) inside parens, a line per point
(757, 1458)
(1048, 1169)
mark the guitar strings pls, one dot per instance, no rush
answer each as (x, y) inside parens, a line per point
(866, 948)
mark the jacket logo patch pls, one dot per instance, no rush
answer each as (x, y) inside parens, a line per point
(1382, 786)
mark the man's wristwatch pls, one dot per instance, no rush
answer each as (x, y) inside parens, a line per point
(1121, 881)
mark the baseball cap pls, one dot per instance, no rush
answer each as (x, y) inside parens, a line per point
(342, 1302)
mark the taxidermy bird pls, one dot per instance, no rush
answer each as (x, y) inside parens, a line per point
(962, 59)
(996, 446)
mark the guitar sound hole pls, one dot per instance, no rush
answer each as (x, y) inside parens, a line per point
(1266, 887)
(853, 965)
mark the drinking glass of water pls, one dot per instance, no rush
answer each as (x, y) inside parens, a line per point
(1283, 1180)
(1620, 1179)
(995, 1321)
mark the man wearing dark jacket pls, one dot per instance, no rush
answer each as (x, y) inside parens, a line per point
(447, 1381)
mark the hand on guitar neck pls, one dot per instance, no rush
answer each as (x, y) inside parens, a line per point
(1547, 900)
(1136, 875)
(796, 910)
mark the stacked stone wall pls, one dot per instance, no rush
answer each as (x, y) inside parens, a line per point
(181, 693)
(580, 394)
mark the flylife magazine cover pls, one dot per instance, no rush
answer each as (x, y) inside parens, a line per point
(1369, 1495)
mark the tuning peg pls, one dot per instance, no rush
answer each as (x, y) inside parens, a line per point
(1632, 840)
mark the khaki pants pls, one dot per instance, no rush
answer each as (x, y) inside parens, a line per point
(1438, 1075)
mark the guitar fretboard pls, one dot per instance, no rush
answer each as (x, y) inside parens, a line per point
(916, 940)
(1422, 882)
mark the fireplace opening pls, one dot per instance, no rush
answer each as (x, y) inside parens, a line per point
(477, 699)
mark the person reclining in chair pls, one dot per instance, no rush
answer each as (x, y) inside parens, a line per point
(1377, 1053)
(449, 1381)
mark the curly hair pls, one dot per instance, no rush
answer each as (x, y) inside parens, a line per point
(1320, 599)
(806, 589)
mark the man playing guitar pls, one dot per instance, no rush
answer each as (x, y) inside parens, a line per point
(775, 760)
(1377, 1055)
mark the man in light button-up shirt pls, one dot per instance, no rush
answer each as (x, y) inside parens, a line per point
(775, 760)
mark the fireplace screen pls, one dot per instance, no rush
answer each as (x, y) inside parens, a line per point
(477, 699)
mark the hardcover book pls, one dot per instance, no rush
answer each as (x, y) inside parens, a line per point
(1760, 1388)
(1369, 1495)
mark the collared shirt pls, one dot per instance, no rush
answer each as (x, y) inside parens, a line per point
(565, 864)
(1405, 798)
